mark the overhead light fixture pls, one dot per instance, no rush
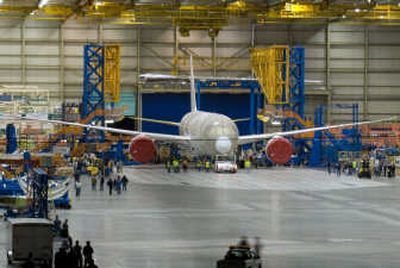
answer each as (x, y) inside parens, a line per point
(357, 10)
(42, 3)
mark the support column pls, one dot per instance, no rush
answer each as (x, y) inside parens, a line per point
(253, 42)
(328, 71)
(214, 56)
(366, 67)
(100, 31)
(138, 92)
(23, 54)
(252, 111)
(61, 61)
(175, 70)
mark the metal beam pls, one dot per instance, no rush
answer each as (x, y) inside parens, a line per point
(366, 67)
(328, 70)
(214, 56)
(61, 51)
(23, 53)
(138, 94)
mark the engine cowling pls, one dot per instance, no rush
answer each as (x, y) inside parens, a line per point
(279, 150)
(142, 149)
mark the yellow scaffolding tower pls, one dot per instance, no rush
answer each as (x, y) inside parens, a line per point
(112, 85)
(271, 67)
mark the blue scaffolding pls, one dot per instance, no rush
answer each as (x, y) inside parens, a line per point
(296, 102)
(256, 97)
(93, 90)
(326, 147)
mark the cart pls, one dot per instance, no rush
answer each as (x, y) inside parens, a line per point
(28, 235)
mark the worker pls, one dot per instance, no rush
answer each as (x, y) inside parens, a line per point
(185, 164)
(244, 242)
(87, 253)
(60, 258)
(353, 167)
(198, 165)
(57, 226)
(175, 165)
(29, 263)
(124, 181)
(207, 165)
(118, 185)
(338, 169)
(168, 165)
(110, 185)
(77, 249)
(65, 229)
(328, 167)
(247, 164)
(78, 187)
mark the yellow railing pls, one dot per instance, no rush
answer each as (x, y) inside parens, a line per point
(112, 85)
(271, 67)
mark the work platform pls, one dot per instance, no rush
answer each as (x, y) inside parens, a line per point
(304, 217)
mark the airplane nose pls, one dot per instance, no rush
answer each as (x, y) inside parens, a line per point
(223, 145)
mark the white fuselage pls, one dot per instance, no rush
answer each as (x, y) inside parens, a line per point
(211, 133)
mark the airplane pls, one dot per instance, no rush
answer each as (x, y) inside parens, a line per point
(206, 133)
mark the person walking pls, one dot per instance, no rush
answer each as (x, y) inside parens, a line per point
(328, 167)
(78, 187)
(102, 180)
(65, 229)
(60, 258)
(338, 169)
(185, 164)
(78, 258)
(110, 185)
(198, 165)
(118, 185)
(124, 182)
(207, 165)
(87, 253)
(57, 226)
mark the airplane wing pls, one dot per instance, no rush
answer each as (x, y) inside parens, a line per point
(163, 122)
(156, 136)
(259, 137)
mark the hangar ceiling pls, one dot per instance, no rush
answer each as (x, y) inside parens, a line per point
(205, 13)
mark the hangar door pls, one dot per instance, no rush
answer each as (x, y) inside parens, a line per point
(173, 106)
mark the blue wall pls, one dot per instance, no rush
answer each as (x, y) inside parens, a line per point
(172, 107)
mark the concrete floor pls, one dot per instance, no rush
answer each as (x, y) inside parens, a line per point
(304, 217)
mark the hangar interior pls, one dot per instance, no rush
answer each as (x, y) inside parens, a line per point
(92, 92)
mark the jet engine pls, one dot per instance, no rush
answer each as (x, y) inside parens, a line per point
(279, 150)
(142, 149)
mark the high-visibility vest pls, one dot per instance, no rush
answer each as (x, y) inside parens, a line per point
(247, 164)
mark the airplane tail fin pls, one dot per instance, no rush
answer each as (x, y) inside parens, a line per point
(193, 104)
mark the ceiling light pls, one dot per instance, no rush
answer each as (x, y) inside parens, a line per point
(42, 3)
(357, 10)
